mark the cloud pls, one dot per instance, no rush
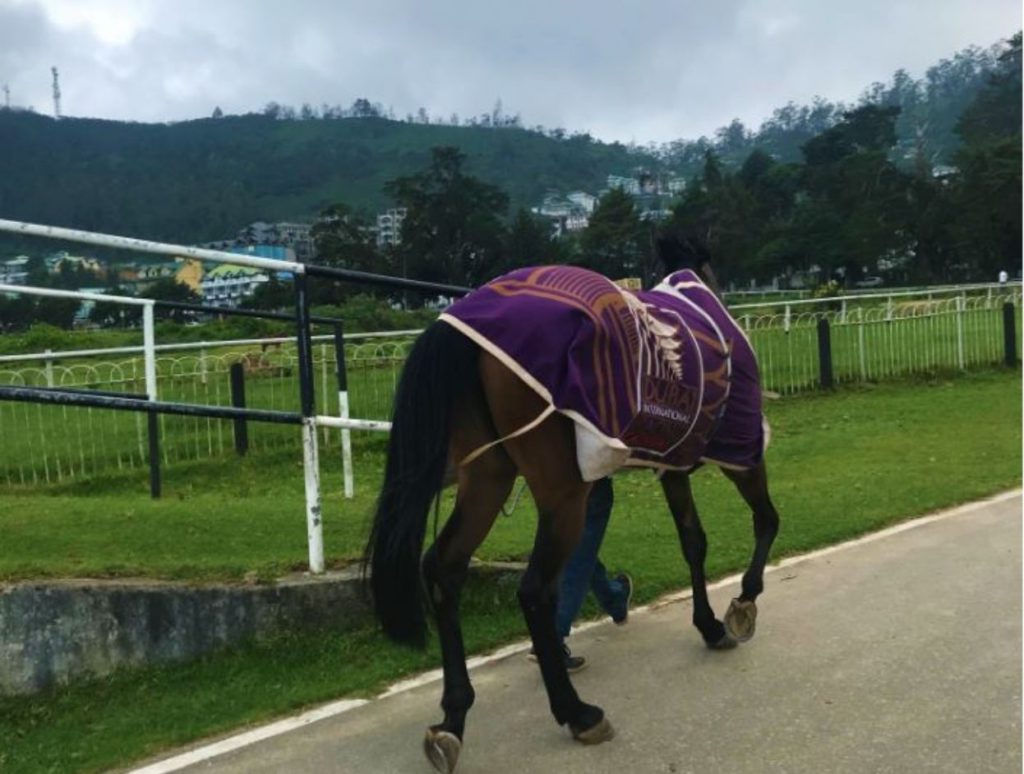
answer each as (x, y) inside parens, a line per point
(646, 70)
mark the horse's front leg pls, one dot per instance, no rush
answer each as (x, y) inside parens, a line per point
(694, 542)
(753, 487)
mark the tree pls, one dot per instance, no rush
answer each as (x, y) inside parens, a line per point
(362, 108)
(988, 188)
(859, 200)
(217, 112)
(16, 312)
(452, 231)
(343, 238)
(59, 312)
(615, 241)
(107, 314)
(277, 294)
(530, 242)
(169, 289)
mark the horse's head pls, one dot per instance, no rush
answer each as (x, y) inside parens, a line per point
(678, 251)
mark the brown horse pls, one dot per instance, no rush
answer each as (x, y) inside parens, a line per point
(463, 415)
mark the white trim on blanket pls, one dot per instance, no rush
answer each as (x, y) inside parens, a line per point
(527, 377)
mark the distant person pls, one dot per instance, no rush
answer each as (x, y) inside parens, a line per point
(1004, 277)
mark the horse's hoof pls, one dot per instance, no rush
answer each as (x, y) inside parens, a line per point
(725, 642)
(601, 731)
(442, 749)
(741, 620)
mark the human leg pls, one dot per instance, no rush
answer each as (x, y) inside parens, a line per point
(583, 566)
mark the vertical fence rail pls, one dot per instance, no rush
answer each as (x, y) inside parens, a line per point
(343, 409)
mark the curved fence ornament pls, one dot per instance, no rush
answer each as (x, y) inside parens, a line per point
(874, 338)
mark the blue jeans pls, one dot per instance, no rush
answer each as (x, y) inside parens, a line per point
(584, 570)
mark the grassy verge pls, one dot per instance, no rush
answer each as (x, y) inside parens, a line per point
(841, 465)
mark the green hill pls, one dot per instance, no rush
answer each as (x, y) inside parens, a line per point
(202, 180)
(205, 179)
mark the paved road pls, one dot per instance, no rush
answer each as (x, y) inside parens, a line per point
(898, 655)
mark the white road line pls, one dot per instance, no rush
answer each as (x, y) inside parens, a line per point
(336, 708)
(250, 737)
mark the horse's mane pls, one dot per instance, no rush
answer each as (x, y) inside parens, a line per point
(678, 250)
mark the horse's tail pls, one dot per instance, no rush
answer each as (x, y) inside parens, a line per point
(439, 368)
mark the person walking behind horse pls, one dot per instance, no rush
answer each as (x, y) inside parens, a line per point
(584, 571)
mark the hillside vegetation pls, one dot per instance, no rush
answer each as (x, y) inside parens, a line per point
(204, 179)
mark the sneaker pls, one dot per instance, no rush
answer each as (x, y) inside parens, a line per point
(621, 616)
(573, 663)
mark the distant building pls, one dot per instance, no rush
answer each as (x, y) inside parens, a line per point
(567, 214)
(190, 273)
(297, 237)
(56, 262)
(389, 227)
(14, 271)
(226, 285)
(151, 272)
(629, 185)
(676, 185)
(583, 200)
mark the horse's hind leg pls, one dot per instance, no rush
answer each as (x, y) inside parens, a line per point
(546, 457)
(694, 542)
(558, 530)
(547, 461)
(753, 487)
(484, 485)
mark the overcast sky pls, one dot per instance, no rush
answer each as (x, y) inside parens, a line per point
(644, 70)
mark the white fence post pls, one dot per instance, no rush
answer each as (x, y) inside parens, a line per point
(785, 321)
(960, 300)
(149, 347)
(323, 381)
(202, 363)
(49, 367)
(860, 341)
(346, 446)
(311, 469)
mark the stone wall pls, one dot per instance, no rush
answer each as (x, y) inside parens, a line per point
(53, 632)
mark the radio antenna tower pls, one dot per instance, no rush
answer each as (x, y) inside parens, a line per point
(56, 93)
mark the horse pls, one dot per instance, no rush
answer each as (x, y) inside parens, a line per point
(469, 410)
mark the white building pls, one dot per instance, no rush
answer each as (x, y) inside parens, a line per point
(389, 227)
(14, 271)
(629, 185)
(566, 214)
(226, 285)
(583, 200)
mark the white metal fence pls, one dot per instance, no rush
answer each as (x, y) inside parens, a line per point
(874, 337)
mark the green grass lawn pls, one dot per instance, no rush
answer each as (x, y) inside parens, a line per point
(841, 464)
(865, 456)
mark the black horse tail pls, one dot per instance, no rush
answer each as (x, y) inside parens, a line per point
(440, 367)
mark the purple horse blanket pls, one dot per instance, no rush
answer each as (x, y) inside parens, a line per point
(662, 378)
